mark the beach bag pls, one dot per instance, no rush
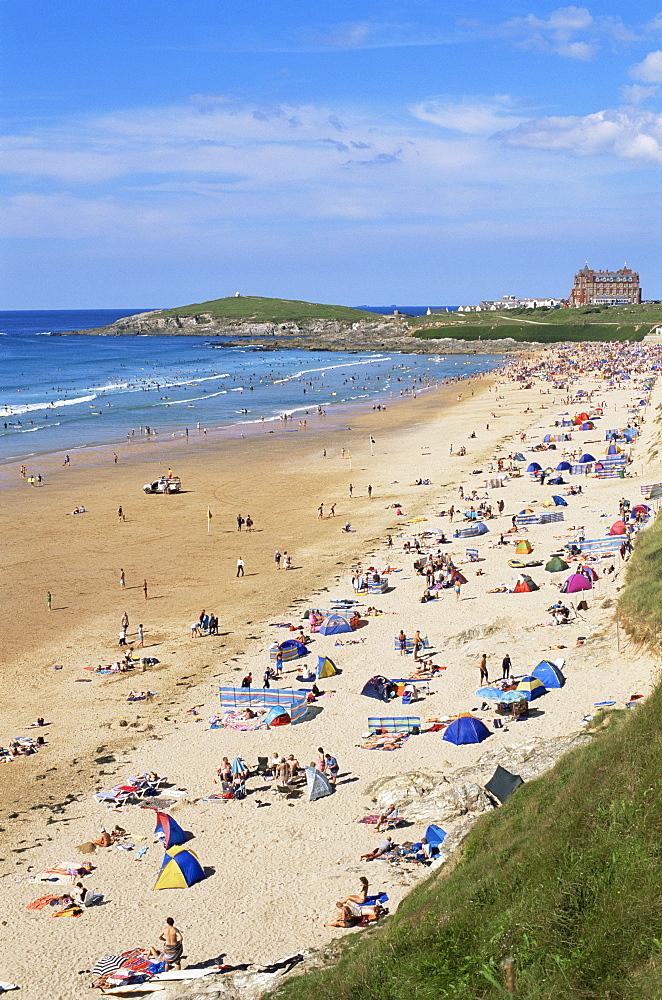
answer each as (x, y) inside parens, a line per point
(154, 968)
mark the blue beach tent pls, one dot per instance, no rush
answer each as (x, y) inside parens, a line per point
(167, 830)
(466, 729)
(534, 467)
(559, 501)
(334, 625)
(180, 869)
(586, 458)
(435, 837)
(277, 716)
(563, 467)
(549, 674)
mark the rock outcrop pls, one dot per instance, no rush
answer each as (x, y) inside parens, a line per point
(429, 796)
(390, 334)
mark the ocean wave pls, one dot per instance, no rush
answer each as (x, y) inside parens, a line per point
(191, 399)
(31, 407)
(328, 368)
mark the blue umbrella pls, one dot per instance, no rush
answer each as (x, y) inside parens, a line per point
(238, 766)
(489, 693)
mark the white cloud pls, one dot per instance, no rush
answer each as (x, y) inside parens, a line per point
(571, 32)
(636, 94)
(468, 115)
(628, 134)
(650, 69)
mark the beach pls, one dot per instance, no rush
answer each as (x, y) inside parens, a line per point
(276, 866)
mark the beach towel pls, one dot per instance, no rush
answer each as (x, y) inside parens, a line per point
(39, 904)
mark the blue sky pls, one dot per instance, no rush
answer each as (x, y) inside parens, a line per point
(159, 152)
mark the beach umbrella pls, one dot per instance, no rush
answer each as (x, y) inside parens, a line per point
(641, 508)
(531, 688)
(489, 693)
(239, 766)
(107, 964)
(618, 528)
(556, 565)
(534, 467)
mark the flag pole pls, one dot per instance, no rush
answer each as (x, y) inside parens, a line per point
(208, 520)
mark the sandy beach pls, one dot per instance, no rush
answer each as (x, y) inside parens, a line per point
(276, 866)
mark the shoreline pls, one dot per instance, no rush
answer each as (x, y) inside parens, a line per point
(198, 571)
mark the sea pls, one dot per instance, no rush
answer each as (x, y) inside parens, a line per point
(60, 393)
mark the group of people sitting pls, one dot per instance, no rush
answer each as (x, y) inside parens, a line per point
(18, 748)
(560, 613)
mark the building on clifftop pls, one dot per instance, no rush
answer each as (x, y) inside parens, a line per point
(605, 288)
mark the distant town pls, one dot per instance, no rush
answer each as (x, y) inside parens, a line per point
(590, 288)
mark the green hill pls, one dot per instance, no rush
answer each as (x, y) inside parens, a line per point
(270, 310)
(543, 325)
(565, 880)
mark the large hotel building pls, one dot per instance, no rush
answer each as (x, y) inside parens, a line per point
(599, 288)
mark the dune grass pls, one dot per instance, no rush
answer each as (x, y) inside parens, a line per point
(267, 310)
(565, 879)
(640, 603)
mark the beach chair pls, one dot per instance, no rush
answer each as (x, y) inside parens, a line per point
(393, 821)
(93, 898)
(263, 765)
(117, 797)
(286, 791)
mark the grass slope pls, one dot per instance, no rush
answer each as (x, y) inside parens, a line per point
(270, 310)
(565, 879)
(605, 323)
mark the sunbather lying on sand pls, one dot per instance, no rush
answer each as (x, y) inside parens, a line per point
(385, 846)
(351, 913)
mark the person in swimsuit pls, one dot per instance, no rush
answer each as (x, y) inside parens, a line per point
(173, 945)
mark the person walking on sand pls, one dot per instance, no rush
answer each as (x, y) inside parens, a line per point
(332, 510)
(49, 600)
(402, 641)
(320, 512)
(125, 620)
(240, 566)
(277, 558)
(483, 669)
(350, 490)
(141, 637)
(458, 589)
(240, 522)
(122, 580)
(505, 667)
(145, 588)
(369, 492)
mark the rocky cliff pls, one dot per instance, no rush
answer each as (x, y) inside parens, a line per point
(391, 334)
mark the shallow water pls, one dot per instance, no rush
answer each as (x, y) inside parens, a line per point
(58, 393)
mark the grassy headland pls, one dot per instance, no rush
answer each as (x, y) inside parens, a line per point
(266, 310)
(565, 880)
(543, 325)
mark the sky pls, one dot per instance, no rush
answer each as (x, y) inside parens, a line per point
(412, 152)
